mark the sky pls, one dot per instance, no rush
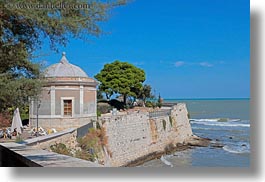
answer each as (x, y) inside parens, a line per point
(187, 48)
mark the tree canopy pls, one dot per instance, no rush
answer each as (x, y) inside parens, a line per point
(145, 92)
(121, 78)
(23, 28)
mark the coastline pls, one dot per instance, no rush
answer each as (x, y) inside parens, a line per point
(191, 143)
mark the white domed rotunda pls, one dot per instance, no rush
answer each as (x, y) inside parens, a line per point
(68, 98)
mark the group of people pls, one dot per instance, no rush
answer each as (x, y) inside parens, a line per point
(7, 133)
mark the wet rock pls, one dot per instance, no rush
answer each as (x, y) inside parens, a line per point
(199, 142)
(217, 145)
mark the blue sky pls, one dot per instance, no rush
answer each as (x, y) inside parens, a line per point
(188, 48)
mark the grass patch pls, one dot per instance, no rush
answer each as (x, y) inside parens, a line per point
(92, 143)
(61, 148)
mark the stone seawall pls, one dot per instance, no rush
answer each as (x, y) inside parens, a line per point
(133, 136)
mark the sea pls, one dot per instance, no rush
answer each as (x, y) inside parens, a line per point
(225, 121)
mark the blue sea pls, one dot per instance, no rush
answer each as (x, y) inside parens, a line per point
(225, 121)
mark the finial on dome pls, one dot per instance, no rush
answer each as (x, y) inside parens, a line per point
(64, 60)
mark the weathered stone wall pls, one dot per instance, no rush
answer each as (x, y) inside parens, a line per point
(67, 137)
(135, 135)
(61, 123)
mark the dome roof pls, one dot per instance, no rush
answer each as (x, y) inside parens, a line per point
(64, 69)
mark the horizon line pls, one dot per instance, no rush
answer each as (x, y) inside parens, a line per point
(212, 98)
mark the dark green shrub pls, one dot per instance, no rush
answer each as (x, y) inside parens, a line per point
(102, 101)
(117, 104)
(170, 121)
(98, 125)
(98, 113)
(150, 104)
(158, 104)
(91, 144)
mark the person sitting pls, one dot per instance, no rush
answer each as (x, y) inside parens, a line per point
(14, 133)
(4, 133)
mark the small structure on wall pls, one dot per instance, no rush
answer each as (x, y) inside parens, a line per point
(68, 99)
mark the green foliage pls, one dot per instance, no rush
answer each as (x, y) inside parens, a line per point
(98, 113)
(170, 121)
(5, 119)
(61, 148)
(24, 112)
(159, 102)
(82, 154)
(23, 30)
(150, 104)
(145, 93)
(15, 91)
(117, 104)
(92, 143)
(99, 95)
(29, 26)
(164, 124)
(120, 78)
(19, 139)
(98, 125)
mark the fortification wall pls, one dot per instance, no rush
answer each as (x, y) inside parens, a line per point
(135, 135)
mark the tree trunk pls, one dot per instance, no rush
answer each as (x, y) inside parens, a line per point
(124, 99)
(107, 96)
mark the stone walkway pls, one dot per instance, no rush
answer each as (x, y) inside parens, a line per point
(36, 157)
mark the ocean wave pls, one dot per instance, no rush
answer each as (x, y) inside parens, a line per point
(221, 124)
(166, 161)
(215, 122)
(237, 149)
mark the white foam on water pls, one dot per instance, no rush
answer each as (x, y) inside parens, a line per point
(217, 119)
(201, 120)
(233, 120)
(237, 149)
(214, 122)
(166, 161)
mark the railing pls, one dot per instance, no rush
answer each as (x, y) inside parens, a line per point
(155, 114)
